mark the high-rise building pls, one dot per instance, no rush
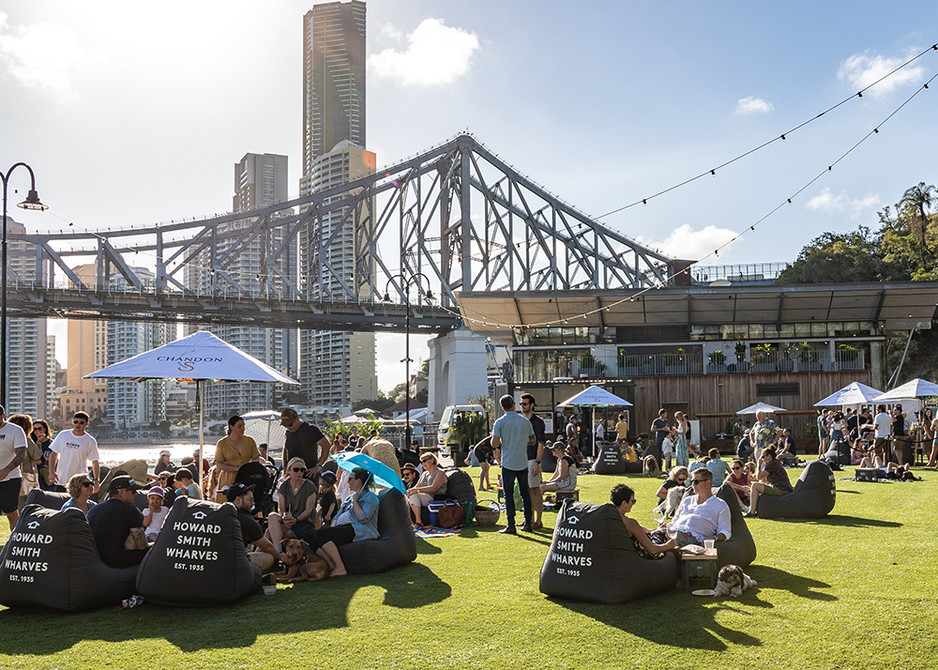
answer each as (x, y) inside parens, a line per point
(337, 369)
(25, 367)
(333, 78)
(132, 404)
(87, 352)
(260, 180)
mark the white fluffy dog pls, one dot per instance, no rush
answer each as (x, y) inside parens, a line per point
(732, 581)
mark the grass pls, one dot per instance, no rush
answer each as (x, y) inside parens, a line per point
(854, 590)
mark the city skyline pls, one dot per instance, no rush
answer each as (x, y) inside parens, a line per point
(603, 107)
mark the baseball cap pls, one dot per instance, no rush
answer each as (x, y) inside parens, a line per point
(157, 491)
(123, 482)
(165, 452)
(238, 489)
(328, 475)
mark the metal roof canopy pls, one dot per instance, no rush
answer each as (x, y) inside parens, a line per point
(901, 305)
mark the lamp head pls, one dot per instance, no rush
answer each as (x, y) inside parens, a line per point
(32, 201)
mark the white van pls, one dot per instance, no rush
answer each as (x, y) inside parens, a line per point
(453, 415)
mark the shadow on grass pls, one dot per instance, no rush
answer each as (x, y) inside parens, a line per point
(844, 521)
(297, 608)
(424, 547)
(697, 627)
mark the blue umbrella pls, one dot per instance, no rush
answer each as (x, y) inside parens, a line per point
(382, 473)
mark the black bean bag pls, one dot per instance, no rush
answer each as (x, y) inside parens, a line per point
(395, 545)
(813, 497)
(198, 558)
(592, 558)
(48, 499)
(838, 452)
(609, 461)
(459, 487)
(51, 562)
(548, 462)
(740, 549)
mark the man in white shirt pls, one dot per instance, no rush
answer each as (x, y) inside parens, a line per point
(71, 451)
(12, 453)
(703, 516)
(882, 424)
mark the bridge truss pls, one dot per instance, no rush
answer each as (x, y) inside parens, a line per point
(456, 214)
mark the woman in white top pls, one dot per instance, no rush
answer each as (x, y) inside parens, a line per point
(682, 428)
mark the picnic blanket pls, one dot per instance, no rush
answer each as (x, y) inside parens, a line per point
(433, 531)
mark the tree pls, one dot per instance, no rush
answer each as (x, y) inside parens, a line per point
(837, 257)
(914, 205)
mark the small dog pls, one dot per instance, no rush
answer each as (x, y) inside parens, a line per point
(301, 567)
(732, 581)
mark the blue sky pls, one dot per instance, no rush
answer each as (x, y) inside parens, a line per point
(134, 114)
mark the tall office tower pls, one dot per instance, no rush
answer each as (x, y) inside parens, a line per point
(132, 404)
(25, 337)
(52, 367)
(260, 180)
(337, 369)
(333, 78)
(87, 352)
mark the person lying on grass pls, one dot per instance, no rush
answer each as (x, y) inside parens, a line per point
(623, 497)
(700, 516)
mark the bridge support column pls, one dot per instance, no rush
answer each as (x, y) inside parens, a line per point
(458, 370)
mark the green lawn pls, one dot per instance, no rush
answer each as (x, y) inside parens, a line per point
(854, 590)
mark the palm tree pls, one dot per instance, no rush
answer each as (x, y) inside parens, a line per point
(916, 201)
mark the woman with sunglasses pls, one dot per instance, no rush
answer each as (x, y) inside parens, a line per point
(623, 497)
(80, 489)
(740, 481)
(42, 436)
(671, 492)
(431, 483)
(296, 505)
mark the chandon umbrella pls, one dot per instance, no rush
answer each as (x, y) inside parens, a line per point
(917, 388)
(761, 407)
(594, 396)
(198, 358)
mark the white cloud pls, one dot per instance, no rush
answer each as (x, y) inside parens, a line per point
(436, 54)
(753, 105)
(40, 56)
(828, 203)
(687, 243)
(861, 70)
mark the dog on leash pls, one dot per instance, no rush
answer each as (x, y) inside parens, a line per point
(732, 582)
(300, 566)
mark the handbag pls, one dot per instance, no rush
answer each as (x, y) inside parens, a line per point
(452, 515)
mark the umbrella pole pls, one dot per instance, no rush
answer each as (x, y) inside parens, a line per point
(198, 400)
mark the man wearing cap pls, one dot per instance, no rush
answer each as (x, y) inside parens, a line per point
(71, 451)
(242, 497)
(304, 440)
(116, 519)
(12, 453)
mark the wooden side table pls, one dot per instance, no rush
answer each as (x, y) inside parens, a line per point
(699, 571)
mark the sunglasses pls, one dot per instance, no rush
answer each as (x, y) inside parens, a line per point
(682, 479)
(88, 484)
(80, 422)
(298, 469)
(698, 481)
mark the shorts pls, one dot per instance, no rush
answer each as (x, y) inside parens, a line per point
(534, 480)
(9, 495)
(261, 559)
(770, 490)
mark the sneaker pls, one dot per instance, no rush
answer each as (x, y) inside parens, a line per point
(750, 515)
(508, 530)
(527, 528)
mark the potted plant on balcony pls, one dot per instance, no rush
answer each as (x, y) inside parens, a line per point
(629, 364)
(764, 358)
(741, 356)
(717, 361)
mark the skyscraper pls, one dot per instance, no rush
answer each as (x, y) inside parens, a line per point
(333, 78)
(336, 369)
(260, 180)
(26, 336)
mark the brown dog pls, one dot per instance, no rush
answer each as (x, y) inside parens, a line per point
(301, 567)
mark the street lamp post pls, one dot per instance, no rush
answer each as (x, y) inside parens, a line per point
(406, 283)
(31, 202)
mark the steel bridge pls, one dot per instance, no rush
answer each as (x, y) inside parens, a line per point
(456, 214)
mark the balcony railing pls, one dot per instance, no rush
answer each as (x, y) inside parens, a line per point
(660, 364)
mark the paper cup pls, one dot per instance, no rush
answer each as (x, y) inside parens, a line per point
(708, 544)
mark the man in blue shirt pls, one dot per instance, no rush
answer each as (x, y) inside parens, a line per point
(510, 441)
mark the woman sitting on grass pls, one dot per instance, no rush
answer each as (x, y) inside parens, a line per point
(564, 477)
(623, 497)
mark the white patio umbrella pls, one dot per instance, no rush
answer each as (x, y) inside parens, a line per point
(198, 358)
(595, 396)
(854, 393)
(917, 388)
(761, 407)
(264, 426)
